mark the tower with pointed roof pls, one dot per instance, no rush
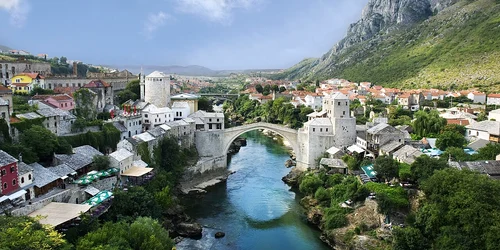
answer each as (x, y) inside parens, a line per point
(157, 89)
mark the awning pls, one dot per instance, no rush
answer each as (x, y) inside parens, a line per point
(355, 148)
(56, 213)
(333, 150)
(98, 198)
(136, 171)
(13, 196)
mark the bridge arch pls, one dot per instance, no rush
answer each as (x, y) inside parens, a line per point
(287, 133)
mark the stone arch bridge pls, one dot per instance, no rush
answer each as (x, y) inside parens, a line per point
(212, 146)
(289, 134)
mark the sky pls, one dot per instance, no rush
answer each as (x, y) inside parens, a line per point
(218, 34)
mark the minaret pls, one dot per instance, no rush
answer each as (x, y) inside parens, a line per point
(143, 85)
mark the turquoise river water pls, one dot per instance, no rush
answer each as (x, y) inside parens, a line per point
(254, 207)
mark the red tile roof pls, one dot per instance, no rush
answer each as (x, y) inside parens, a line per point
(32, 75)
(494, 96)
(4, 89)
(97, 84)
(458, 122)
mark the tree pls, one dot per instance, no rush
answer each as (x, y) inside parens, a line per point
(310, 183)
(456, 154)
(143, 233)
(282, 89)
(84, 104)
(63, 60)
(22, 232)
(205, 104)
(489, 152)
(126, 95)
(450, 139)
(133, 203)
(275, 88)
(454, 128)
(460, 210)
(41, 141)
(386, 167)
(409, 238)
(101, 162)
(259, 88)
(424, 166)
(428, 123)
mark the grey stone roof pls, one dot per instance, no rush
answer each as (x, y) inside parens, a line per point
(492, 127)
(120, 127)
(477, 144)
(121, 154)
(382, 128)
(23, 168)
(391, 146)
(61, 170)
(156, 132)
(407, 154)
(82, 157)
(6, 158)
(491, 168)
(51, 112)
(29, 116)
(320, 122)
(333, 163)
(42, 176)
(133, 141)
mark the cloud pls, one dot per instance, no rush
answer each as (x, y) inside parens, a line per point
(214, 10)
(18, 10)
(154, 22)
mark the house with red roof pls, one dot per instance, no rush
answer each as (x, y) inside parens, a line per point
(62, 101)
(493, 99)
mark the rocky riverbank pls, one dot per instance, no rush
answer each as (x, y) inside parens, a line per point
(363, 230)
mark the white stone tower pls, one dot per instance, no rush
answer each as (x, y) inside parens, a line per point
(157, 89)
(142, 84)
(344, 126)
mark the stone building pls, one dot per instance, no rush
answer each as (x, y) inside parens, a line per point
(6, 94)
(9, 69)
(103, 91)
(155, 88)
(190, 99)
(206, 121)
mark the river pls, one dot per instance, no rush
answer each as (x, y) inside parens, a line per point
(254, 207)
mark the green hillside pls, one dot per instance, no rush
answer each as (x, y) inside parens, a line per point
(458, 47)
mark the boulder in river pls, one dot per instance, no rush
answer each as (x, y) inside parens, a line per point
(191, 230)
(289, 163)
(219, 235)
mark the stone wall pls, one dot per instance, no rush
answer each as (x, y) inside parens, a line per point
(105, 184)
(209, 143)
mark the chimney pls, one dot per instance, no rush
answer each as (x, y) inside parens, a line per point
(20, 157)
(75, 68)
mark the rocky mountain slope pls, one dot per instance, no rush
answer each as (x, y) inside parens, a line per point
(416, 43)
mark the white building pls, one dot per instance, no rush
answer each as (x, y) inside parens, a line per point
(493, 99)
(477, 97)
(206, 121)
(314, 101)
(190, 99)
(181, 110)
(25, 180)
(121, 159)
(486, 130)
(494, 115)
(156, 89)
(128, 125)
(153, 116)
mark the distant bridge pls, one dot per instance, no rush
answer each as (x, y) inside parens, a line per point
(219, 95)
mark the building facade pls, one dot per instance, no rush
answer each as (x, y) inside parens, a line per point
(157, 89)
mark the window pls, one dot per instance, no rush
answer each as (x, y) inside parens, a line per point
(61, 105)
(326, 129)
(338, 104)
(18, 80)
(346, 103)
(146, 115)
(4, 172)
(314, 129)
(14, 182)
(5, 185)
(29, 177)
(209, 126)
(22, 179)
(343, 112)
(321, 130)
(12, 169)
(210, 119)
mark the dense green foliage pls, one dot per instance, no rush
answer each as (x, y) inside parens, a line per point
(22, 232)
(84, 105)
(142, 233)
(131, 92)
(428, 123)
(457, 47)
(21, 106)
(104, 140)
(100, 162)
(424, 166)
(389, 199)
(277, 111)
(450, 139)
(42, 142)
(460, 212)
(386, 167)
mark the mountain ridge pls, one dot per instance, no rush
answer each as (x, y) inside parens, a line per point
(412, 43)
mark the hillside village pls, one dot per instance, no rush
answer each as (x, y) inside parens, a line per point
(85, 116)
